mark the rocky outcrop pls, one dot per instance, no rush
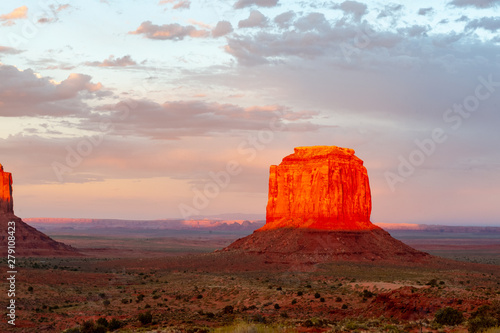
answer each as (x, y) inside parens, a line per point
(318, 210)
(6, 202)
(29, 241)
(320, 187)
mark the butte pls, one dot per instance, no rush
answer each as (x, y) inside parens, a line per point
(29, 241)
(318, 210)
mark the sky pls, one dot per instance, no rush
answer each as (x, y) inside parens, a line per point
(177, 108)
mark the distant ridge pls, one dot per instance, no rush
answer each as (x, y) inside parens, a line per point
(198, 224)
(438, 228)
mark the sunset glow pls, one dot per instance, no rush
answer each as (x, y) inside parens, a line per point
(176, 109)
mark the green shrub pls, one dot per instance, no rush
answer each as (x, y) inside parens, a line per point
(90, 326)
(228, 309)
(145, 318)
(432, 283)
(483, 318)
(102, 321)
(481, 324)
(114, 324)
(449, 316)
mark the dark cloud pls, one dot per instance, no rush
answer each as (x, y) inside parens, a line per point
(425, 11)
(312, 37)
(475, 3)
(283, 20)
(255, 20)
(261, 3)
(354, 8)
(25, 93)
(114, 62)
(222, 28)
(487, 23)
(172, 31)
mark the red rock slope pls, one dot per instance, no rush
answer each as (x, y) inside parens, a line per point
(319, 208)
(29, 241)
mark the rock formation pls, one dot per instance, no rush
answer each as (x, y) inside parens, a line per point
(29, 241)
(318, 209)
(6, 203)
(322, 187)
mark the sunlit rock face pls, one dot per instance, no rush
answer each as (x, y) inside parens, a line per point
(6, 202)
(319, 187)
(29, 242)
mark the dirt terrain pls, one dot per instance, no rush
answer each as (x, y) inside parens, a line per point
(187, 288)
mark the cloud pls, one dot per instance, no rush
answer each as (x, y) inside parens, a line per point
(390, 10)
(261, 3)
(113, 62)
(173, 120)
(63, 7)
(487, 23)
(16, 14)
(256, 19)
(172, 31)
(9, 50)
(178, 4)
(55, 12)
(312, 21)
(283, 20)
(222, 28)
(425, 11)
(475, 3)
(25, 93)
(354, 8)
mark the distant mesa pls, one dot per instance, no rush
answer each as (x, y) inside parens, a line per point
(29, 241)
(319, 205)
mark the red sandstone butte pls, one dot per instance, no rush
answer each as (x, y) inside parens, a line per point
(319, 210)
(6, 203)
(29, 241)
(320, 187)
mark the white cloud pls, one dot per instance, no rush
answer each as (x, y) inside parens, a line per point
(172, 31)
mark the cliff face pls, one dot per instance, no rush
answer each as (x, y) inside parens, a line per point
(29, 241)
(320, 187)
(6, 202)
